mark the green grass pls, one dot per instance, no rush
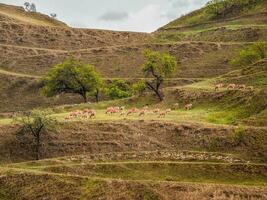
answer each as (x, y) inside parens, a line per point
(241, 174)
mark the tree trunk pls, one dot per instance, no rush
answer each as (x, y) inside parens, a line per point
(84, 98)
(155, 90)
(37, 148)
(97, 96)
(159, 95)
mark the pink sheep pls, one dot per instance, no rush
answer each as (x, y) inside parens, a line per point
(189, 106)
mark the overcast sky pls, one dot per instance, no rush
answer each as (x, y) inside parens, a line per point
(126, 15)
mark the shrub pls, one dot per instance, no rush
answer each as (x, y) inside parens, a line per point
(251, 55)
(239, 134)
(139, 87)
(119, 89)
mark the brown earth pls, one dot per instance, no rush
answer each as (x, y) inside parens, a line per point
(32, 187)
(103, 137)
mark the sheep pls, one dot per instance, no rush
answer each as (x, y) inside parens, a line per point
(162, 114)
(112, 110)
(176, 105)
(142, 113)
(156, 111)
(132, 111)
(218, 86)
(122, 108)
(168, 111)
(189, 106)
(241, 87)
(250, 88)
(145, 108)
(231, 86)
(92, 114)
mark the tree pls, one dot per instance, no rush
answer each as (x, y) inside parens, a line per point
(27, 6)
(53, 15)
(33, 8)
(72, 77)
(158, 67)
(36, 123)
(30, 7)
(139, 87)
(251, 55)
(99, 87)
(119, 89)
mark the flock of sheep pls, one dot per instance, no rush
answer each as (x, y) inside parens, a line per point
(233, 87)
(123, 112)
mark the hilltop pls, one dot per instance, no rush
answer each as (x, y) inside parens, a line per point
(15, 14)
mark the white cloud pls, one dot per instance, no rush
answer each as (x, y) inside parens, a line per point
(127, 15)
(114, 16)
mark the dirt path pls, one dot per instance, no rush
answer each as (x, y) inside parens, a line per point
(18, 74)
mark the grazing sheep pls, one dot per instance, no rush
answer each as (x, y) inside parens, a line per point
(67, 118)
(168, 111)
(92, 114)
(156, 111)
(218, 86)
(241, 87)
(123, 113)
(176, 105)
(122, 108)
(189, 106)
(112, 110)
(250, 88)
(231, 86)
(142, 113)
(145, 108)
(162, 114)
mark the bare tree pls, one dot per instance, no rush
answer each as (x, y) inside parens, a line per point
(30, 7)
(53, 15)
(33, 7)
(27, 6)
(36, 123)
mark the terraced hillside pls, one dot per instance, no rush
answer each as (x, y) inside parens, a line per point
(216, 150)
(240, 22)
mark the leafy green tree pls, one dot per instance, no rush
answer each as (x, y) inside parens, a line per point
(72, 77)
(119, 89)
(99, 87)
(36, 123)
(139, 87)
(158, 67)
(251, 55)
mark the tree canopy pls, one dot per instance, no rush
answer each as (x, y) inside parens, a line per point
(36, 123)
(74, 77)
(158, 67)
(119, 89)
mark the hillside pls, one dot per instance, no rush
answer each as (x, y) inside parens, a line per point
(215, 150)
(242, 21)
(14, 14)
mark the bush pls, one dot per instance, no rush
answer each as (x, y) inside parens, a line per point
(119, 89)
(251, 55)
(217, 8)
(139, 87)
(239, 134)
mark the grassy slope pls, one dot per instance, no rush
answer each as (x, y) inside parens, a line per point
(201, 16)
(247, 24)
